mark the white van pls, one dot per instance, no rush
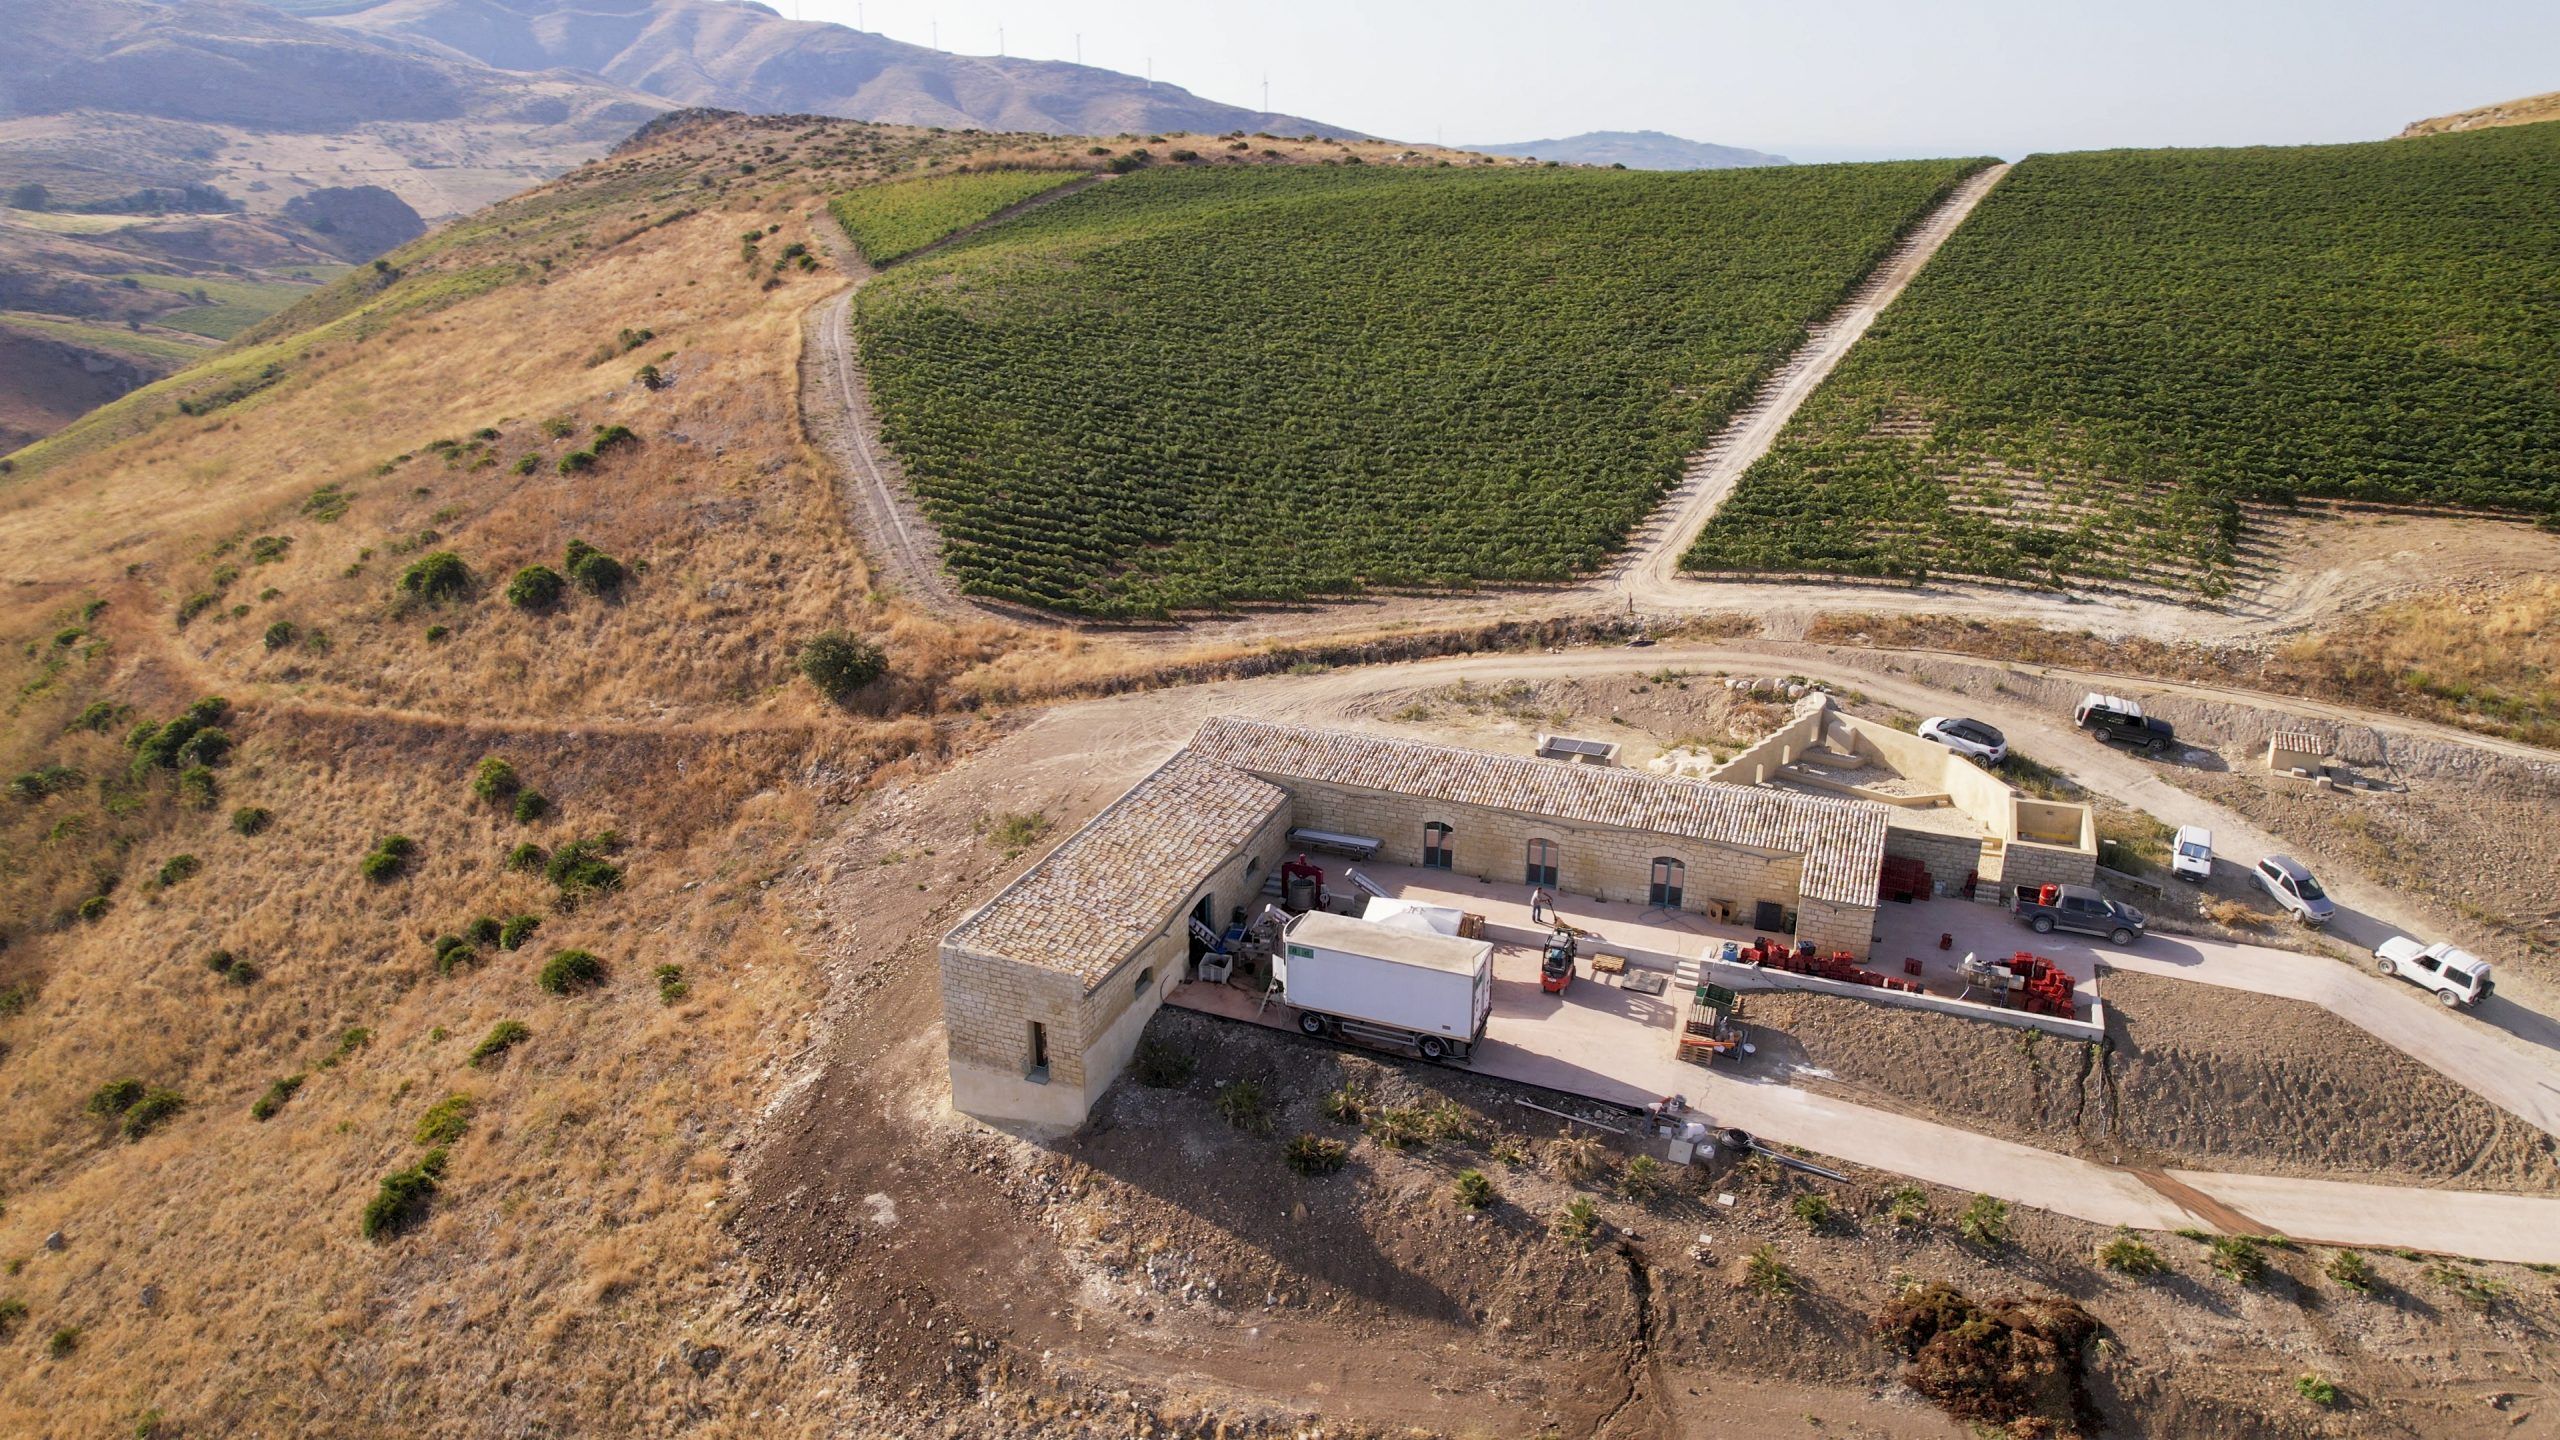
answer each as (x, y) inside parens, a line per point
(2191, 854)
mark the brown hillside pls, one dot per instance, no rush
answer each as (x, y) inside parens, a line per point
(2532, 109)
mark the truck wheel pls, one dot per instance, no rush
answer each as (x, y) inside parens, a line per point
(2153, 749)
(2384, 967)
(1311, 1022)
(2042, 924)
(2451, 1000)
(2122, 936)
(1432, 1047)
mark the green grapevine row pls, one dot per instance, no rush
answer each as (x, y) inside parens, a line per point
(904, 216)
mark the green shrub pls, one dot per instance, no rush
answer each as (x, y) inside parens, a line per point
(559, 427)
(527, 463)
(266, 1106)
(2349, 1270)
(198, 788)
(1985, 1222)
(13, 1314)
(535, 587)
(1473, 1189)
(2128, 1256)
(502, 1037)
(436, 634)
(1161, 1064)
(326, 504)
(517, 930)
(350, 1040)
(1814, 1209)
(447, 1120)
(579, 868)
(208, 746)
(596, 572)
(64, 1340)
(452, 951)
(436, 577)
(1346, 1106)
(577, 460)
(94, 908)
(1315, 1155)
(280, 634)
(115, 1097)
(1766, 1275)
(1907, 1205)
(1244, 1105)
(569, 970)
(151, 1111)
(195, 605)
(403, 1199)
(531, 806)
(1579, 1222)
(671, 986)
(1397, 1126)
(838, 664)
(2239, 1257)
(231, 967)
(2479, 1291)
(177, 868)
(45, 782)
(2313, 1388)
(648, 378)
(527, 857)
(495, 781)
(612, 437)
(98, 718)
(389, 858)
(1645, 1180)
(252, 819)
(484, 931)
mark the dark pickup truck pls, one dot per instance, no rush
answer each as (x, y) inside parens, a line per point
(2121, 722)
(2049, 908)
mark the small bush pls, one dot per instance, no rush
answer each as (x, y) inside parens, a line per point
(559, 427)
(1346, 1106)
(1814, 1209)
(178, 868)
(2315, 1389)
(648, 378)
(2349, 1270)
(266, 1106)
(517, 930)
(535, 587)
(1907, 1205)
(502, 1037)
(231, 967)
(1316, 1155)
(596, 572)
(495, 781)
(838, 664)
(452, 951)
(389, 858)
(403, 1198)
(1473, 1189)
(93, 909)
(2478, 1291)
(99, 718)
(1576, 1158)
(436, 634)
(2128, 1256)
(483, 932)
(198, 789)
(45, 782)
(195, 605)
(252, 819)
(527, 463)
(350, 1040)
(527, 856)
(280, 634)
(1645, 1180)
(208, 746)
(579, 868)
(62, 1342)
(613, 437)
(569, 970)
(447, 1120)
(1985, 1222)
(115, 1097)
(1161, 1064)
(437, 576)
(1766, 1275)
(13, 1315)
(1397, 1126)
(577, 460)
(151, 1111)
(2239, 1257)
(1245, 1106)
(1578, 1223)
(671, 986)
(531, 806)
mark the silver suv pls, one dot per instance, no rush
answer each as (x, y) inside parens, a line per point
(2291, 886)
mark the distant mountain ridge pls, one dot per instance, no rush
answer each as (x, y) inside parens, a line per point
(737, 55)
(1637, 150)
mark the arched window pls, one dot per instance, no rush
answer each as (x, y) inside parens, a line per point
(1438, 852)
(1146, 978)
(1669, 877)
(1542, 864)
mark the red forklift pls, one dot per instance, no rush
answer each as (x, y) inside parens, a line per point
(1556, 971)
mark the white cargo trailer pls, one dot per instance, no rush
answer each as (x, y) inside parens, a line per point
(1386, 984)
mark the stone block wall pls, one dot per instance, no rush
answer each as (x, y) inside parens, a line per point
(1947, 856)
(2047, 865)
(1832, 926)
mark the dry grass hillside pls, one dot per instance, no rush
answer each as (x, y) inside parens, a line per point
(230, 923)
(2527, 111)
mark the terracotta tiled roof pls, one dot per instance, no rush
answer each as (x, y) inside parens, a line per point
(1842, 841)
(1115, 883)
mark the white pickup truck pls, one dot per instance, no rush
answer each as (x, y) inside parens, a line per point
(2457, 976)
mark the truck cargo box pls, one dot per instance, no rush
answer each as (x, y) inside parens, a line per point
(1436, 987)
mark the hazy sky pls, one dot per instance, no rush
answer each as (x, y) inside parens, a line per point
(1813, 79)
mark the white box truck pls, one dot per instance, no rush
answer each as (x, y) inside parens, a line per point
(1386, 985)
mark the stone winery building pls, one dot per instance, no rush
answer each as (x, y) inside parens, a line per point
(1046, 987)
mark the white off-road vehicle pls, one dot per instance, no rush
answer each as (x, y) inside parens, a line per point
(2457, 976)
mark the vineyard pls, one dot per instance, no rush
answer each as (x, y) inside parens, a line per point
(891, 221)
(2122, 353)
(1192, 389)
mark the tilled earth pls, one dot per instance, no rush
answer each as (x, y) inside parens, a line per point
(2192, 1077)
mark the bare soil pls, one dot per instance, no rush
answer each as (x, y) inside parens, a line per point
(2192, 1077)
